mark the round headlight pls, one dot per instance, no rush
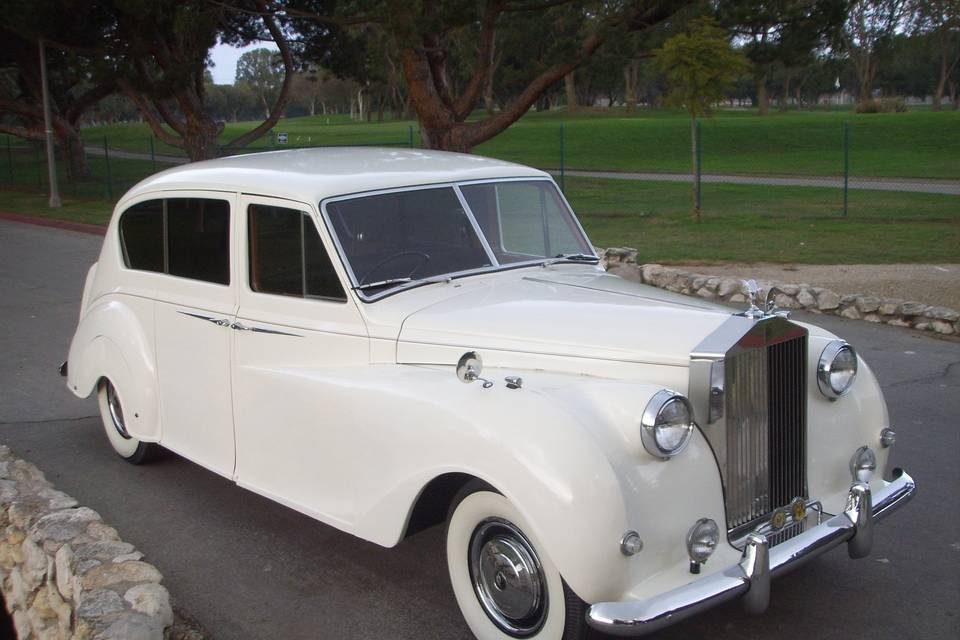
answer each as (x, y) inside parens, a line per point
(837, 369)
(667, 424)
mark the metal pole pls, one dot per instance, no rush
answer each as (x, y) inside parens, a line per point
(563, 181)
(410, 136)
(10, 159)
(106, 157)
(51, 157)
(699, 166)
(153, 155)
(846, 166)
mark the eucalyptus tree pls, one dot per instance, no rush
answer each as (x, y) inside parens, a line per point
(428, 34)
(868, 33)
(939, 20)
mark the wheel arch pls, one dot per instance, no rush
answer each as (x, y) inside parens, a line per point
(112, 343)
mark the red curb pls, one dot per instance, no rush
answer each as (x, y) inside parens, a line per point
(81, 227)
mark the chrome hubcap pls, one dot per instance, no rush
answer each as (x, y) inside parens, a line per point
(507, 577)
(116, 412)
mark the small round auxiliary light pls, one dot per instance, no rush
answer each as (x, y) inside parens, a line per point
(702, 540)
(863, 464)
(798, 509)
(631, 544)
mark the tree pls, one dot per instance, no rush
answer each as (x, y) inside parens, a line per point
(263, 71)
(867, 34)
(700, 66)
(156, 52)
(73, 91)
(426, 32)
(940, 20)
(781, 35)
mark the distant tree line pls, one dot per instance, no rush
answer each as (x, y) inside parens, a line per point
(465, 69)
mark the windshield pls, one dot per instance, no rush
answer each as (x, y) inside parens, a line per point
(420, 235)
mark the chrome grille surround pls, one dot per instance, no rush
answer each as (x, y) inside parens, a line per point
(759, 439)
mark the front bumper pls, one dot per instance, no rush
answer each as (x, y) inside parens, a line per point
(751, 576)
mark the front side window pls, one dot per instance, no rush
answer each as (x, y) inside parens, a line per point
(287, 256)
(185, 237)
(398, 237)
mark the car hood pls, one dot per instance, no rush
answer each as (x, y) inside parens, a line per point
(581, 313)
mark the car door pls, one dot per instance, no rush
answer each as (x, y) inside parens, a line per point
(300, 342)
(196, 306)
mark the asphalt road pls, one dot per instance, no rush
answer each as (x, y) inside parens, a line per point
(244, 567)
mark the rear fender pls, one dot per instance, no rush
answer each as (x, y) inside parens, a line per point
(111, 342)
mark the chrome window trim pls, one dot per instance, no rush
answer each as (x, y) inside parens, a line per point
(363, 297)
(476, 226)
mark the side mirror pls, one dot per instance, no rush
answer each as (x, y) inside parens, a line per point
(469, 368)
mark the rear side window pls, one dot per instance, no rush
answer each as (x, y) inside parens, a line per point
(198, 239)
(185, 237)
(287, 256)
(141, 236)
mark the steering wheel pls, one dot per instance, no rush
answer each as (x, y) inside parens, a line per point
(424, 258)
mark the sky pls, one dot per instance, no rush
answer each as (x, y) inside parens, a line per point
(225, 60)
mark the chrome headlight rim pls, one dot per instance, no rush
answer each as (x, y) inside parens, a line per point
(650, 423)
(825, 368)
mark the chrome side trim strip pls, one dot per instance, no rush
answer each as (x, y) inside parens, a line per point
(239, 326)
(220, 322)
(758, 565)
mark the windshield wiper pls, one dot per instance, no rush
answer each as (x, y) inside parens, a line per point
(572, 257)
(381, 283)
(384, 283)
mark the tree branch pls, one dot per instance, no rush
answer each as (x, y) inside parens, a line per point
(481, 73)
(22, 132)
(280, 105)
(152, 119)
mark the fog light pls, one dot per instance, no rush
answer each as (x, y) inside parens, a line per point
(863, 464)
(888, 437)
(631, 544)
(702, 540)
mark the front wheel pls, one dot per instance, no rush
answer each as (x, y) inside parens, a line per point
(114, 423)
(505, 584)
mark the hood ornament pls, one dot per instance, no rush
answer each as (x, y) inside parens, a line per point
(765, 309)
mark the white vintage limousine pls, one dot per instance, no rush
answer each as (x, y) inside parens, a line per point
(386, 340)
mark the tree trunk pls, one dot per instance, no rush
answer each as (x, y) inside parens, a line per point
(570, 86)
(763, 100)
(200, 141)
(693, 167)
(786, 94)
(631, 77)
(76, 155)
(952, 84)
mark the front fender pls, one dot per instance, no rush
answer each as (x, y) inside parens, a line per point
(566, 451)
(114, 341)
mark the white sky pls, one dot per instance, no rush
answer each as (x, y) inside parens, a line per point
(225, 60)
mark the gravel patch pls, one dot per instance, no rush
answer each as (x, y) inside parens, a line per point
(934, 284)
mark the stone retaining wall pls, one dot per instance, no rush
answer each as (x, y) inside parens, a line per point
(65, 574)
(892, 311)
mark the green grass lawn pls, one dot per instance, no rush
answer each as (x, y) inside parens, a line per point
(746, 223)
(743, 223)
(916, 144)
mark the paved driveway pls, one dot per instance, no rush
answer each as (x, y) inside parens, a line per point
(244, 567)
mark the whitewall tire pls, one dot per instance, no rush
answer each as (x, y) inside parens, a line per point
(506, 586)
(114, 424)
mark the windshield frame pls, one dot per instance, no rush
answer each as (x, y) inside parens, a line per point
(495, 265)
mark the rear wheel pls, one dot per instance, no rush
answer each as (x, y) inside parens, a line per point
(114, 424)
(505, 584)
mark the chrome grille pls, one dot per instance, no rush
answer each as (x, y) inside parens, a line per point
(766, 429)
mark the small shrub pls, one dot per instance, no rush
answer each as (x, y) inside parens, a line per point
(894, 104)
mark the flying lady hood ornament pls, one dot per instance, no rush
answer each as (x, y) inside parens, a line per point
(767, 307)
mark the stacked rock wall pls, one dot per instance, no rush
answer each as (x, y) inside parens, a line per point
(900, 313)
(65, 574)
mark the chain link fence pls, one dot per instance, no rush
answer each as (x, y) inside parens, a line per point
(829, 169)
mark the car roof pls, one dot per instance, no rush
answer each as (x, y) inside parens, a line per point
(311, 175)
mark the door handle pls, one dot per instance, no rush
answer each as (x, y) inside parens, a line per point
(239, 326)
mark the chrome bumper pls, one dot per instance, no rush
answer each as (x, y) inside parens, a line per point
(751, 576)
